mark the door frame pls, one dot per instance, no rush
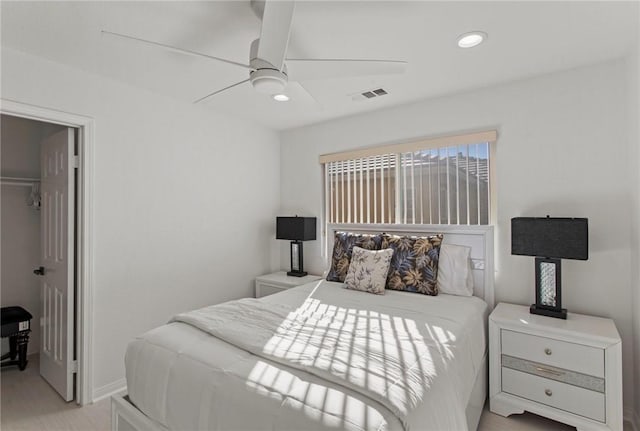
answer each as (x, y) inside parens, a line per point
(84, 268)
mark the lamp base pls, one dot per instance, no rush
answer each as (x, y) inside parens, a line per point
(296, 273)
(558, 314)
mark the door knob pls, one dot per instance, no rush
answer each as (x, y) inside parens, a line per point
(39, 271)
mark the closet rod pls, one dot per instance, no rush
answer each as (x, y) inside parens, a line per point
(16, 181)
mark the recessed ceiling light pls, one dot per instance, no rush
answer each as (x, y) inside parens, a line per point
(281, 97)
(469, 40)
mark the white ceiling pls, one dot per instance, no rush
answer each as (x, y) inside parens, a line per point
(525, 39)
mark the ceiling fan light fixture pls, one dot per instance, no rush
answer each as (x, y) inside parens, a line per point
(281, 97)
(471, 39)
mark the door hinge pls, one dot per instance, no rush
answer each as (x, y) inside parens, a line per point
(74, 366)
(75, 162)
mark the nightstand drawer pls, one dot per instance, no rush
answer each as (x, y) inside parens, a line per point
(559, 395)
(270, 289)
(570, 356)
(559, 374)
(276, 282)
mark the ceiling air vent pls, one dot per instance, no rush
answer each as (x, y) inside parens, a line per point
(369, 94)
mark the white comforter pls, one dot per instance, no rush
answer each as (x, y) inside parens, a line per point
(314, 357)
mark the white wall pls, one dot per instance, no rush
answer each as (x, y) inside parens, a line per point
(562, 150)
(184, 201)
(20, 238)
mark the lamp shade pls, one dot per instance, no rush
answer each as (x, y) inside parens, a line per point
(552, 237)
(296, 228)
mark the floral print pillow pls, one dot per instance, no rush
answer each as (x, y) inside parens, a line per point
(342, 249)
(368, 270)
(414, 266)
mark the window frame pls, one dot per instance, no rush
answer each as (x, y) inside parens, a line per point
(425, 144)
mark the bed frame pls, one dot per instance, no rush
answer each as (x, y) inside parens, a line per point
(126, 417)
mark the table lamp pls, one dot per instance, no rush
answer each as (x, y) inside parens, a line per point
(296, 229)
(549, 239)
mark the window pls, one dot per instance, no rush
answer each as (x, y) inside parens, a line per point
(435, 181)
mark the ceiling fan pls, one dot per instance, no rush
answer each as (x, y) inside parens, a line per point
(270, 71)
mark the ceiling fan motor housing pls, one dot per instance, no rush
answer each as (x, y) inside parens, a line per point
(266, 78)
(268, 81)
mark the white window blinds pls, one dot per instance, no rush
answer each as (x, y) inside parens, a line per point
(436, 181)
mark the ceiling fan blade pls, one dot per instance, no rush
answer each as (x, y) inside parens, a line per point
(274, 36)
(172, 48)
(220, 91)
(298, 94)
(310, 69)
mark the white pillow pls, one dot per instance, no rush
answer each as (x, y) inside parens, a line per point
(368, 270)
(454, 270)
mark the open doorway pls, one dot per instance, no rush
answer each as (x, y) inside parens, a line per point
(38, 250)
(75, 133)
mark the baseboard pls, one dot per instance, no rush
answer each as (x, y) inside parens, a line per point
(110, 389)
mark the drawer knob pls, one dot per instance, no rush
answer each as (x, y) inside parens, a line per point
(548, 351)
(548, 392)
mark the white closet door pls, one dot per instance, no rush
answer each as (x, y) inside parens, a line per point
(57, 243)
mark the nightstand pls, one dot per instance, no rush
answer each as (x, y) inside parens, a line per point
(279, 281)
(567, 370)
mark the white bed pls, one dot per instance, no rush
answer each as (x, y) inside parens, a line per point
(181, 378)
